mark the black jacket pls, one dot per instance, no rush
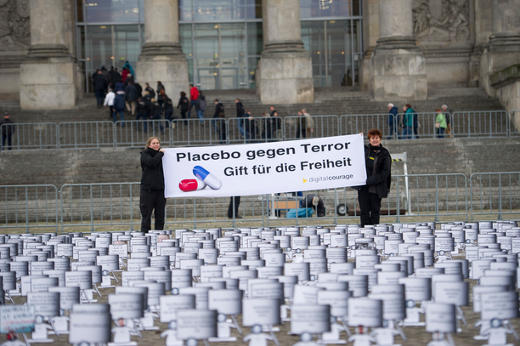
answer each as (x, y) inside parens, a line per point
(131, 92)
(8, 129)
(379, 167)
(151, 165)
(241, 112)
(99, 81)
(219, 111)
(183, 103)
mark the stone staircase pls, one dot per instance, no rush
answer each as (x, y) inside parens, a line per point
(335, 101)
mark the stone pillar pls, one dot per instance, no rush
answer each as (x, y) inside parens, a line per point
(504, 43)
(399, 70)
(48, 74)
(370, 37)
(284, 73)
(161, 58)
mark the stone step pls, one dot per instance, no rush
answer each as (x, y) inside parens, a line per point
(327, 101)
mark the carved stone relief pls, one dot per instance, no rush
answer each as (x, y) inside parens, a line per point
(441, 20)
(14, 26)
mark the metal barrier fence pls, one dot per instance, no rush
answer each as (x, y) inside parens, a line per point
(117, 204)
(28, 206)
(498, 193)
(412, 195)
(191, 132)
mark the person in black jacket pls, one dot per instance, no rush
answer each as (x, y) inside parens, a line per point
(219, 121)
(183, 104)
(241, 113)
(100, 85)
(378, 166)
(7, 131)
(152, 185)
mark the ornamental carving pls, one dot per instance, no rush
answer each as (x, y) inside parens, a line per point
(441, 20)
(14, 26)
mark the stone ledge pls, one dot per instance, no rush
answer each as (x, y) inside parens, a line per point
(505, 77)
(161, 48)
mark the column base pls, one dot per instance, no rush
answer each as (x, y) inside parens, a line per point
(48, 84)
(171, 70)
(47, 51)
(397, 42)
(399, 74)
(285, 77)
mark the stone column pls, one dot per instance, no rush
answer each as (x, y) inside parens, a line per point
(399, 70)
(161, 58)
(502, 58)
(48, 74)
(284, 73)
(370, 37)
(504, 42)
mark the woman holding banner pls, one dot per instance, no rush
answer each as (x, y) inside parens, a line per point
(152, 185)
(378, 166)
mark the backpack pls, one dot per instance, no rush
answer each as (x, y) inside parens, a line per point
(119, 102)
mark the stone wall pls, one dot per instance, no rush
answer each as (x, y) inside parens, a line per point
(14, 42)
(445, 31)
(507, 86)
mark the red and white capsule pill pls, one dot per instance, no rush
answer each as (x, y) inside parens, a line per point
(187, 185)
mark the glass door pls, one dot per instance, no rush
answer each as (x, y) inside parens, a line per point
(334, 46)
(109, 45)
(220, 56)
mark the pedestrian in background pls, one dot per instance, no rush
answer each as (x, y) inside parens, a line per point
(109, 102)
(393, 121)
(309, 123)
(8, 129)
(194, 99)
(183, 105)
(100, 85)
(202, 107)
(408, 121)
(440, 123)
(448, 114)
(240, 113)
(219, 121)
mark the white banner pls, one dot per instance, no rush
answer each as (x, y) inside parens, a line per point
(264, 168)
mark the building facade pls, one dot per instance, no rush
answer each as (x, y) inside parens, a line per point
(282, 48)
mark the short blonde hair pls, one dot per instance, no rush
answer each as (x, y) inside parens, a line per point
(149, 141)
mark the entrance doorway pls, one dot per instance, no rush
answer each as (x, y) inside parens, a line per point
(109, 45)
(220, 56)
(335, 47)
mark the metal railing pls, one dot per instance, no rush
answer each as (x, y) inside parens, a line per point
(29, 206)
(495, 193)
(117, 204)
(425, 195)
(195, 132)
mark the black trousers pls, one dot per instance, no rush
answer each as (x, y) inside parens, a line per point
(7, 138)
(370, 205)
(234, 203)
(150, 201)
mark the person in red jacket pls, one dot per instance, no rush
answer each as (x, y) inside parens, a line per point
(194, 99)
